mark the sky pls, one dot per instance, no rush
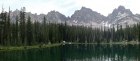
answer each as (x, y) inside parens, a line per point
(68, 7)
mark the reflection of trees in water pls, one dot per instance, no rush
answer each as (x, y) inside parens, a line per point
(102, 52)
(46, 54)
(76, 52)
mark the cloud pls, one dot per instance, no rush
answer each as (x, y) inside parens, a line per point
(67, 7)
(63, 6)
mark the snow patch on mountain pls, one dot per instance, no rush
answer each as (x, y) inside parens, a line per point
(74, 21)
(120, 15)
(106, 24)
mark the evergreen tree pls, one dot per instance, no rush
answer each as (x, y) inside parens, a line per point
(22, 25)
(9, 28)
(32, 33)
(44, 30)
(2, 22)
(29, 31)
(36, 31)
(17, 42)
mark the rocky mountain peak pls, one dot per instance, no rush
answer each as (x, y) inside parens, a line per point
(86, 15)
(85, 9)
(53, 12)
(55, 16)
(124, 16)
(121, 8)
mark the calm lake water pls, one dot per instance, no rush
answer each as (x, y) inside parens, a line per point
(81, 52)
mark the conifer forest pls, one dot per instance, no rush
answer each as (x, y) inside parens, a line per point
(26, 32)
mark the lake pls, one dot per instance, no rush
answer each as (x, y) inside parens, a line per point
(76, 52)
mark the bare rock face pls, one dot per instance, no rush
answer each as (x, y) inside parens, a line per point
(56, 17)
(122, 16)
(52, 16)
(121, 12)
(86, 17)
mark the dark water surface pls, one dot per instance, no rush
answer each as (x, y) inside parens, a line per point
(79, 52)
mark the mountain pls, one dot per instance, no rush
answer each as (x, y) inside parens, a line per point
(33, 16)
(87, 17)
(123, 16)
(56, 17)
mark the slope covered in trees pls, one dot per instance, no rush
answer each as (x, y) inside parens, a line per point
(26, 32)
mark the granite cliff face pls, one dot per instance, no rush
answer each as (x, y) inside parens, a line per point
(87, 17)
(122, 16)
(56, 17)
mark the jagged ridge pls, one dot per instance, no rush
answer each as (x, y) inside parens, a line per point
(87, 17)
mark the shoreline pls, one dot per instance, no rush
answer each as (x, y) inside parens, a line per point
(9, 48)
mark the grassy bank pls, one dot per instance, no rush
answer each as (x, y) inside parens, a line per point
(8, 48)
(131, 42)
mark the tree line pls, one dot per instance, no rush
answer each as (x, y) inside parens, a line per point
(25, 32)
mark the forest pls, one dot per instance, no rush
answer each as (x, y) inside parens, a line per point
(25, 32)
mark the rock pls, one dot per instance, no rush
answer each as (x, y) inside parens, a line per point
(86, 17)
(56, 17)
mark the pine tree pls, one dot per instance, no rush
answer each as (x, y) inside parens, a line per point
(2, 27)
(22, 25)
(5, 29)
(113, 33)
(139, 32)
(36, 32)
(29, 31)
(17, 42)
(9, 28)
(44, 30)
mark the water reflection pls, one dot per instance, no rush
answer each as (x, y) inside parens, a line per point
(79, 52)
(102, 52)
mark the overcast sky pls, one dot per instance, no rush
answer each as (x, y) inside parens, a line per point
(67, 7)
